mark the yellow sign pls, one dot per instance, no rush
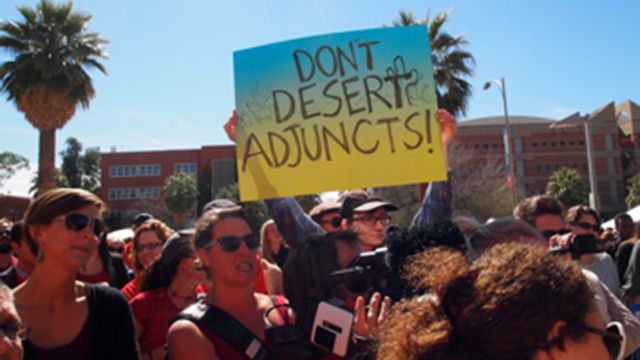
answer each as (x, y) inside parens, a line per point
(336, 112)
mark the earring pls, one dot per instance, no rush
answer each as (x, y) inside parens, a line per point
(40, 256)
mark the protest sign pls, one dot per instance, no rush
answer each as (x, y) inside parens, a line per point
(339, 111)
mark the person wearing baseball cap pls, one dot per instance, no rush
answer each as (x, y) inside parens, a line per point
(327, 215)
(366, 216)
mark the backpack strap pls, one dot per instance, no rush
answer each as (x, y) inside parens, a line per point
(227, 328)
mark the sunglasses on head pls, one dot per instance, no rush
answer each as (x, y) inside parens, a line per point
(232, 243)
(77, 222)
(548, 234)
(587, 226)
(612, 337)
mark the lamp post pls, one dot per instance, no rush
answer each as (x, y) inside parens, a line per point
(507, 146)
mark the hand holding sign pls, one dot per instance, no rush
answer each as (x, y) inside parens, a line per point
(448, 127)
(231, 125)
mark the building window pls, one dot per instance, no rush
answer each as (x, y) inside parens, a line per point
(612, 165)
(538, 168)
(608, 142)
(223, 173)
(534, 144)
(572, 143)
(152, 192)
(547, 168)
(520, 168)
(562, 143)
(543, 144)
(519, 146)
(494, 146)
(187, 168)
(134, 170)
(580, 143)
(553, 143)
(613, 188)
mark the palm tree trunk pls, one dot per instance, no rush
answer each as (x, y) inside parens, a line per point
(46, 160)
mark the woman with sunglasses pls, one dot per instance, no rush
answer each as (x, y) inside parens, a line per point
(70, 319)
(227, 249)
(582, 220)
(147, 247)
(515, 302)
(171, 285)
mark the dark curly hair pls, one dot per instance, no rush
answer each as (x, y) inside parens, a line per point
(532, 207)
(500, 307)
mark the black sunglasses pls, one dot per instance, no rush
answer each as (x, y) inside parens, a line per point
(611, 337)
(548, 234)
(78, 222)
(5, 234)
(232, 243)
(587, 226)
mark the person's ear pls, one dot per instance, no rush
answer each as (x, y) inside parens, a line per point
(36, 233)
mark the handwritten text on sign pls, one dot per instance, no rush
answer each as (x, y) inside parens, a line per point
(336, 112)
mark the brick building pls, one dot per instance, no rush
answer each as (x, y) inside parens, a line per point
(132, 181)
(542, 146)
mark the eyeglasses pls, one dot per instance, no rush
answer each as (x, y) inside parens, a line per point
(372, 220)
(587, 226)
(612, 337)
(548, 234)
(334, 222)
(77, 222)
(232, 243)
(15, 330)
(150, 246)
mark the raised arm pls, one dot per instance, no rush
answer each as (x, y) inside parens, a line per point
(436, 202)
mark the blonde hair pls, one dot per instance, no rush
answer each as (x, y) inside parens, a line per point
(265, 241)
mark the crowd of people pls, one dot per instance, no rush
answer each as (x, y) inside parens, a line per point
(339, 282)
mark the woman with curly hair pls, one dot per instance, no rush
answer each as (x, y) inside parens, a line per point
(515, 302)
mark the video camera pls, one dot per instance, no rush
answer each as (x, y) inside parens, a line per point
(368, 271)
(324, 324)
(578, 245)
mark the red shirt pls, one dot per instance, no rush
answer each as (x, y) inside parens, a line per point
(132, 288)
(153, 309)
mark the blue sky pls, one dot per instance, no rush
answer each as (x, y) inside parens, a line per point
(170, 82)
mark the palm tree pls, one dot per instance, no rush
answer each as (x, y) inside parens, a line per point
(47, 78)
(567, 186)
(451, 63)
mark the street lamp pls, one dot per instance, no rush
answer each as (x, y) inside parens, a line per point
(507, 146)
(577, 120)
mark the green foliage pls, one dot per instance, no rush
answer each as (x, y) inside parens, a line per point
(567, 186)
(81, 170)
(633, 192)
(452, 64)
(180, 196)
(59, 179)
(51, 46)
(10, 163)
